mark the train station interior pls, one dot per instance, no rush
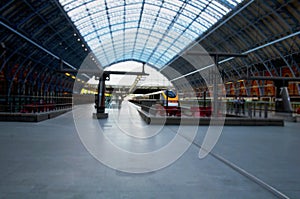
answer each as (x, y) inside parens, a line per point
(149, 99)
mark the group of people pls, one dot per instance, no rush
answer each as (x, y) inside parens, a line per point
(239, 105)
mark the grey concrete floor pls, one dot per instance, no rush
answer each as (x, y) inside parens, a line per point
(48, 160)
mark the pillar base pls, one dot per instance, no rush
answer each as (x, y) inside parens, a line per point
(285, 116)
(100, 115)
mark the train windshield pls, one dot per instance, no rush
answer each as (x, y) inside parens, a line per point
(170, 94)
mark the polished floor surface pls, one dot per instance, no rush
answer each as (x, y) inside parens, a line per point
(49, 160)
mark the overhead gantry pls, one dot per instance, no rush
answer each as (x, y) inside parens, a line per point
(100, 96)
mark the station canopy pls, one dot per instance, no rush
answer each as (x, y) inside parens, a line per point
(148, 31)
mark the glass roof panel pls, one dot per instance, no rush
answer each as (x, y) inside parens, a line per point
(150, 31)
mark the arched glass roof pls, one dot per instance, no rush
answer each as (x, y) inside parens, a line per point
(149, 31)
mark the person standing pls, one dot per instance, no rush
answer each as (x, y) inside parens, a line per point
(242, 102)
(236, 106)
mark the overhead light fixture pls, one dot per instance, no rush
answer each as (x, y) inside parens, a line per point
(68, 74)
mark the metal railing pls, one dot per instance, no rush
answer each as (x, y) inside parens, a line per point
(34, 104)
(256, 108)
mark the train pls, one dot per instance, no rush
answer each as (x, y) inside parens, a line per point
(164, 102)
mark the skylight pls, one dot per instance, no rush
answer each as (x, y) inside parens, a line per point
(149, 31)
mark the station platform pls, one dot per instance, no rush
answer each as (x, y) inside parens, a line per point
(32, 117)
(49, 160)
(206, 121)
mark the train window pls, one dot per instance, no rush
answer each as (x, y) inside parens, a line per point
(171, 94)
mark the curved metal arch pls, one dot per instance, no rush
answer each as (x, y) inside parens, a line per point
(37, 80)
(256, 54)
(30, 16)
(59, 78)
(50, 87)
(236, 50)
(57, 33)
(49, 25)
(148, 38)
(65, 4)
(294, 63)
(13, 54)
(46, 22)
(198, 15)
(225, 49)
(39, 72)
(65, 84)
(242, 45)
(259, 18)
(268, 12)
(242, 38)
(43, 82)
(257, 71)
(144, 34)
(34, 68)
(11, 83)
(134, 21)
(277, 15)
(209, 11)
(139, 24)
(68, 87)
(279, 53)
(262, 53)
(41, 77)
(273, 68)
(107, 52)
(53, 76)
(28, 75)
(144, 13)
(9, 74)
(265, 50)
(256, 27)
(132, 53)
(135, 60)
(165, 34)
(169, 36)
(292, 12)
(19, 68)
(263, 62)
(51, 36)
